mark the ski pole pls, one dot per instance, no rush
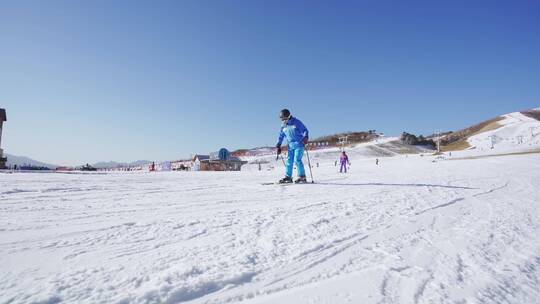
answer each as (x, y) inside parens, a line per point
(309, 164)
(277, 157)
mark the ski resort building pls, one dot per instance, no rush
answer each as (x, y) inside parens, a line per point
(181, 165)
(217, 161)
(3, 159)
(197, 160)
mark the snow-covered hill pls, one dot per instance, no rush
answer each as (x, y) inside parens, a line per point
(517, 132)
(382, 147)
(511, 133)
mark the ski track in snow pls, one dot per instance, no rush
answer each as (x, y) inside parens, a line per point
(406, 231)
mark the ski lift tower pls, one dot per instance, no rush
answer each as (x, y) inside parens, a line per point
(3, 159)
(343, 140)
(438, 138)
(493, 138)
(532, 129)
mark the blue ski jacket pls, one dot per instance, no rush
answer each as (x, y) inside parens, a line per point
(295, 131)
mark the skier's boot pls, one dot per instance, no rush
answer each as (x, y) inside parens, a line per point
(301, 180)
(285, 180)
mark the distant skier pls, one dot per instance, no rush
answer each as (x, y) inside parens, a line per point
(344, 161)
(297, 137)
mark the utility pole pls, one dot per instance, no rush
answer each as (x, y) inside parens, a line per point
(343, 141)
(3, 159)
(438, 135)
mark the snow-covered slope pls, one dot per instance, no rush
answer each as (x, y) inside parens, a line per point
(516, 133)
(406, 231)
(382, 147)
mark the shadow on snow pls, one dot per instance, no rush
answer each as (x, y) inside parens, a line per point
(394, 185)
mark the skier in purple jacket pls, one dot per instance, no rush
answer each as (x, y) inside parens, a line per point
(344, 161)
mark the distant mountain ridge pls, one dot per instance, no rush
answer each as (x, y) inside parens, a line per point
(26, 161)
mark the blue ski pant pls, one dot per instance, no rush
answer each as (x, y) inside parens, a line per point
(343, 167)
(294, 156)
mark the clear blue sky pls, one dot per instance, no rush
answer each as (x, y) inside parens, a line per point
(84, 81)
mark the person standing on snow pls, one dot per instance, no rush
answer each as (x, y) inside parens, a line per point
(344, 161)
(297, 137)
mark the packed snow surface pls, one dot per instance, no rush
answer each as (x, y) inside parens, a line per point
(409, 230)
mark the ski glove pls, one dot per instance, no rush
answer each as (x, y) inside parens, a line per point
(278, 149)
(306, 140)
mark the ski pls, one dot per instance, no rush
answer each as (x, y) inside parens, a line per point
(284, 184)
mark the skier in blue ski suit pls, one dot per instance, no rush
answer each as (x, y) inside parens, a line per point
(297, 136)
